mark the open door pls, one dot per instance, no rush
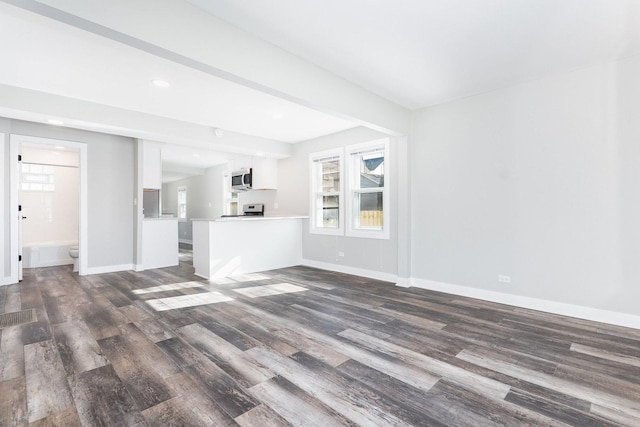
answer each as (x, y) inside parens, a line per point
(17, 199)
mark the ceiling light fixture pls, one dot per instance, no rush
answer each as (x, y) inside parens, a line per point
(55, 122)
(161, 83)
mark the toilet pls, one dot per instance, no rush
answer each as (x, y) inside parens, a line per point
(74, 251)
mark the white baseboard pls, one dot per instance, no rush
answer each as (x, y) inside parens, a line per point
(378, 275)
(138, 267)
(110, 269)
(56, 263)
(560, 308)
(6, 281)
(403, 282)
(563, 309)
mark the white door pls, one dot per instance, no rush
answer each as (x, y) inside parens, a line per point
(20, 218)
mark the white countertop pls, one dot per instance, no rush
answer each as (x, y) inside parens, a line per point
(162, 218)
(251, 218)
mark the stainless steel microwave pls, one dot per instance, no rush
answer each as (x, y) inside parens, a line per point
(241, 180)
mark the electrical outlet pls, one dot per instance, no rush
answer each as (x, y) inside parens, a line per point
(341, 253)
(504, 279)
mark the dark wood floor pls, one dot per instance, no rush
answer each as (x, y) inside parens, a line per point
(300, 346)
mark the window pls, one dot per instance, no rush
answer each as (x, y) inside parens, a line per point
(326, 192)
(368, 192)
(182, 202)
(230, 198)
(365, 201)
(36, 177)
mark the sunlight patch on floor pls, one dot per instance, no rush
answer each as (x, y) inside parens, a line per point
(267, 290)
(240, 278)
(183, 301)
(169, 287)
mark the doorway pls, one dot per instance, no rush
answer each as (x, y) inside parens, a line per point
(48, 166)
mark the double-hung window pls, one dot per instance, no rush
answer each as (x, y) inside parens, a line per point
(350, 191)
(182, 202)
(230, 197)
(368, 190)
(327, 212)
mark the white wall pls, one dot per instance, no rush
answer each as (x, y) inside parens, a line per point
(373, 255)
(204, 198)
(110, 190)
(537, 181)
(4, 246)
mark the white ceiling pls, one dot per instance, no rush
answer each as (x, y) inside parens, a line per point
(48, 56)
(415, 53)
(424, 52)
(52, 57)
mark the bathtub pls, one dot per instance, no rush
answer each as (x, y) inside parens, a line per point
(47, 254)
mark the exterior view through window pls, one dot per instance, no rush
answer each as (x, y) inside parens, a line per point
(368, 191)
(329, 195)
(326, 192)
(182, 202)
(360, 206)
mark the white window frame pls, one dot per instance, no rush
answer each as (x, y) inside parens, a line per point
(353, 188)
(182, 189)
(229, 196)
(314, 160)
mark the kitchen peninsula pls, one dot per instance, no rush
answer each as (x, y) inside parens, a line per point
(240, 245)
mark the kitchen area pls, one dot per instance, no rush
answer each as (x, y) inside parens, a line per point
(227, 213)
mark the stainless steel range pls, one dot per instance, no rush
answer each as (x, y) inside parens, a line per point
(252, 209)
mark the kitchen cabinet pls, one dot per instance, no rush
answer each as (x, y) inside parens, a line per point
(151, 165)
(265, 171)
(159, 243)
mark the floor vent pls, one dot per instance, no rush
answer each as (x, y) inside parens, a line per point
(17, 318)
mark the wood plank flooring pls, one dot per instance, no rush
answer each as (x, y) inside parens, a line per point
(300, 346)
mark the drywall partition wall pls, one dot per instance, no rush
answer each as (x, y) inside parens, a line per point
(369, 257)
(6, 212)
(537, 182)
(627, 119)
(3, 245)
(110, 178)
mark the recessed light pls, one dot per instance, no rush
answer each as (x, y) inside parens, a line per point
(55, 122)
(278, 116)
(217, 132)
(161, 83)
(196, 155)
(59, 147)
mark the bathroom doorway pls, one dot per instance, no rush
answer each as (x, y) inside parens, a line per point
(49, 183)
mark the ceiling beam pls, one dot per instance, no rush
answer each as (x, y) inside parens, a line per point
(180, 32)
(35, 106)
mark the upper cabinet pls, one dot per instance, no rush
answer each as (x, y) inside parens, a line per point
(264, 171)
(151, 165)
